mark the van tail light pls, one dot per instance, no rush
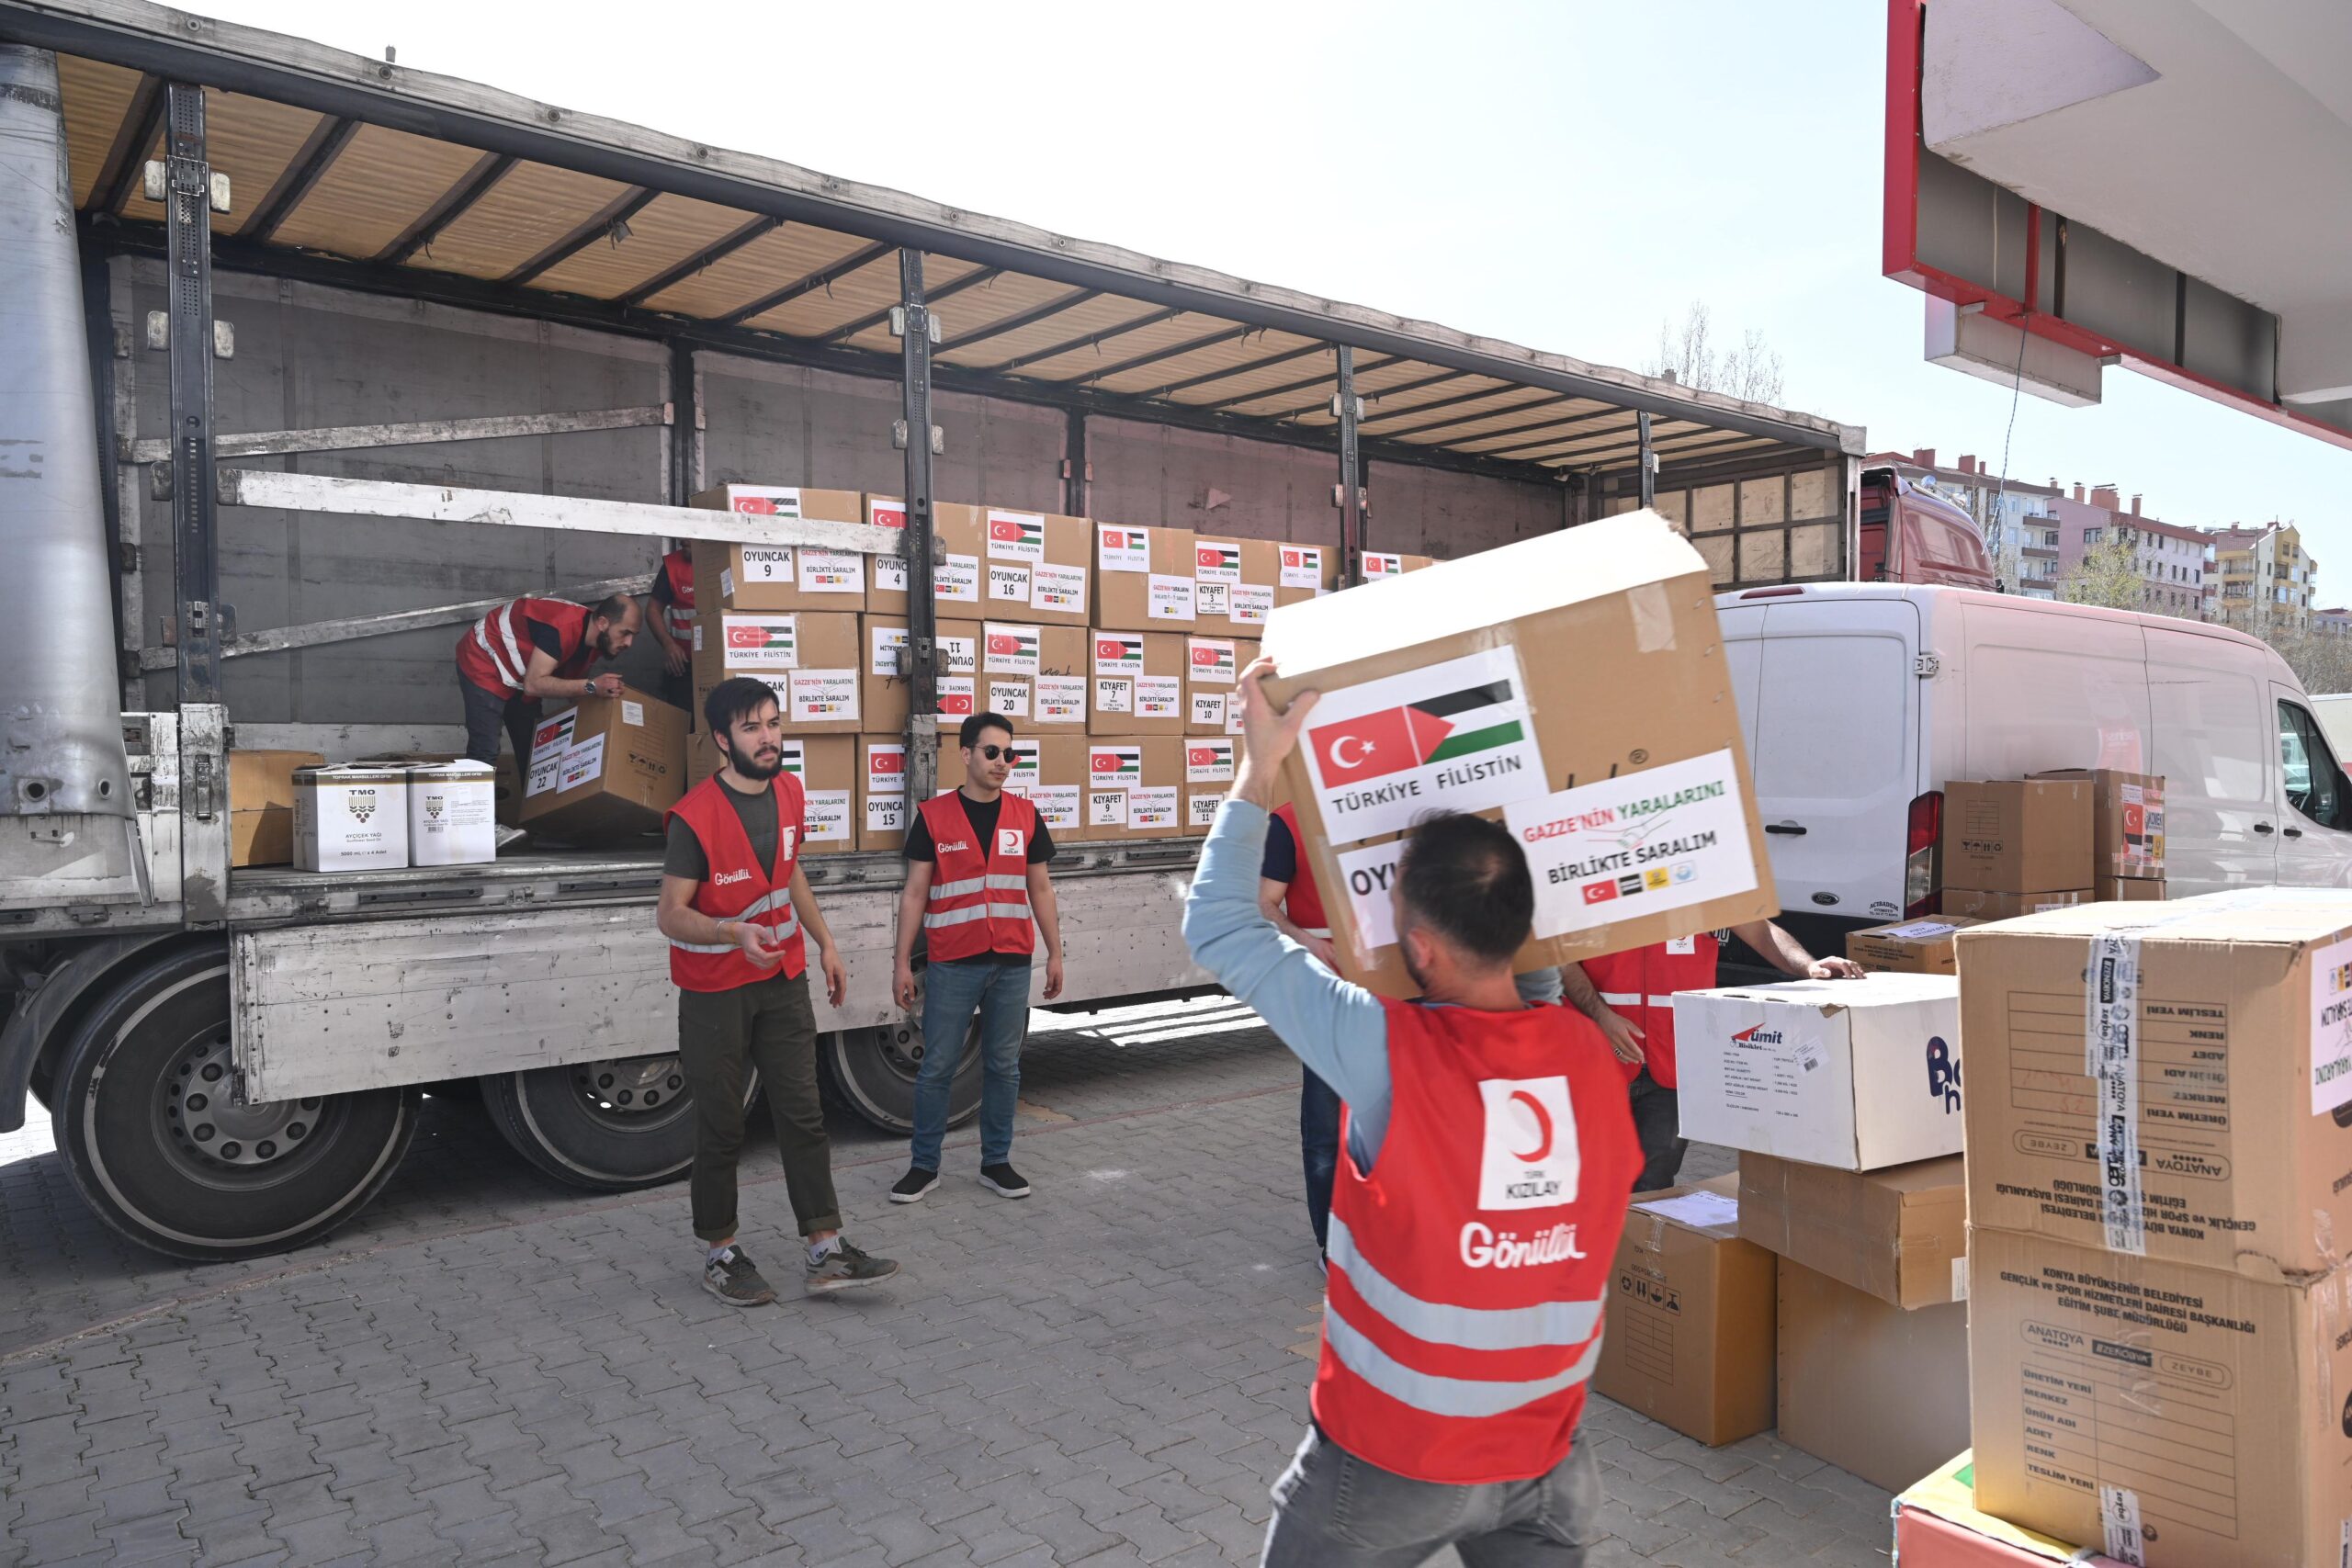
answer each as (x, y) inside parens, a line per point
(1920, 836)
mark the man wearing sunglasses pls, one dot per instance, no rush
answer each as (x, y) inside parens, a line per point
(978, 890)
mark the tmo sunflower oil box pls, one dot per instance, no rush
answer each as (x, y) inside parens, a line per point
(1572, 686)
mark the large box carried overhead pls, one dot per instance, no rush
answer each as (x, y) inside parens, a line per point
(1572, 685)
(2173, 1079)
(1855, 1074)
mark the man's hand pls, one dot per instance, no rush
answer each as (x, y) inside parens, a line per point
(902, 984)
(1325, 952)
(605, 685)
(1053, 976)
(1833, 969)
(1625, 1036)
(836, 974)
(753, 938)
(1269, 734)
(674, 658)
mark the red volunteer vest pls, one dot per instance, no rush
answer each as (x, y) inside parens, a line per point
(679, 612)
(740, 888)
(1468, 1269)
(1303, 902)
(496, 650)
(1641, 982)
(979, 893)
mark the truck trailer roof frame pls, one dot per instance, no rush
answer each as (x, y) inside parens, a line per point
(502, 142)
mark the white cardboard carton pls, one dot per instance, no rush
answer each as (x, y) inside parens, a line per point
(352, 818)
(1855, 1074)
(452, 813)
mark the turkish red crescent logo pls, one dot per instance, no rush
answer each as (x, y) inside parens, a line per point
(747, 637)
(1542, 1149)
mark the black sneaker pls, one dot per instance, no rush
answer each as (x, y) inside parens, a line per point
(1003, 1180)
(845, 1267)
(913, 1187)
(730, 1278)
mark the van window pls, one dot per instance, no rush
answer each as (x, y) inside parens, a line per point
(2315, 783)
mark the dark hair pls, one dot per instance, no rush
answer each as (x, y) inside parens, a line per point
(737, 697)
(1465, 878)
(979, 724)
(616, 607)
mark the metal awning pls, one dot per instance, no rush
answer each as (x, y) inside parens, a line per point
(368, 174)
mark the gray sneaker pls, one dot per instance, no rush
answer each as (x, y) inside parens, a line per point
(845, 1268)
(730, 1278)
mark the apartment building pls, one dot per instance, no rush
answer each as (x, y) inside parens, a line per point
(2170, 557)
(2264, 580)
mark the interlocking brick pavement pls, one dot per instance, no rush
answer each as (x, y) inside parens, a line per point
(490, 1368)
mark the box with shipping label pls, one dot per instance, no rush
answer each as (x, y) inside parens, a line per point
(1212, 700)
(1304, 572)
(1939, 1525)
(884, 684)
(1210, 764)
(1011, 656)
(1855, 1074)
(826, 766)
(811, 659)
(1571, 684)
(2126, 822)
(779, 577)
(261, 805)
(2016, 835)
(1137, 687)
(452, 813)
(1059, 692)
(352, 818)
(1233, 584)
(881, 793)
(1049, 772)
(1690, 1312)
(1908, 947)
(1143, 578)
(1982, 908)
(1035, 567)
(2172, 1414)
(886, 576)
(1877, 1391)
(605, 768)
(1380, 564)
(959, 536)
(1134, 787)
(2171, 1079)
(1899, 1234)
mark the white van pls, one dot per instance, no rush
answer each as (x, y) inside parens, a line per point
(1861, 699)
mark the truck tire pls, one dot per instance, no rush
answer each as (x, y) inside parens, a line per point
(872, 1071)
(608, 1126)
(155, 1146)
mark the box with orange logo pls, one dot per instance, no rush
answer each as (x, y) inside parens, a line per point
(780, 577)
(1138, 684)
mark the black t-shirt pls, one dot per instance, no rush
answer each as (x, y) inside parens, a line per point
(1280, 864)
(685, 857)
(983, 815)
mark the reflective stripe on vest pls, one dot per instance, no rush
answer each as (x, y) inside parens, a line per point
(789, 927)
(982, 905)
(1459, 1397)
(1566, 1323)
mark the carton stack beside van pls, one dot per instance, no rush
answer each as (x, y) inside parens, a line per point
(2049, 841)
(2159, 1180)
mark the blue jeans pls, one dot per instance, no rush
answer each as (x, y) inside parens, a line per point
(1318, 1147)
(952, 992)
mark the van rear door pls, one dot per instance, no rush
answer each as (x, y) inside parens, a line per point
(1836, 756)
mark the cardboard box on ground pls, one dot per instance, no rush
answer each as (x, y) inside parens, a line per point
(1877, 1391)
(1939, 1525)
(1571, 685)
(1908, 947)
(261, 805)
(780, 577)
(1690, 1315)
(1898, 1233)
(605, 768)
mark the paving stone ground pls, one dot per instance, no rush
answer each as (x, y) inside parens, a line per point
(488, 1367)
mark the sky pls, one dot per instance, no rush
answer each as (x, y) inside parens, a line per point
(1565, 175)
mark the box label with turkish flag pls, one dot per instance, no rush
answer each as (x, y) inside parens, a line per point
(1118, 653)
(1454, 735)
(1208, 762)
(1211, 660)
(1302, 566)
(1016, 536)
(760, 642)
(956, 698)
(1012, 650)
(1217, 563)
(1377, 564)
(1122, 549)
(886, 767)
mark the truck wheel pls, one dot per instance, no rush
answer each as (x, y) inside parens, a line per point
(156, 1144)
(873, 1071)
(608, 1126)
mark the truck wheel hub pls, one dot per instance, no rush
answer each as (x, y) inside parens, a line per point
(630, 1088)
(210, 1127)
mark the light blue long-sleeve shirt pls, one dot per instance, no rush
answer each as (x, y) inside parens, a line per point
(1336, 1027)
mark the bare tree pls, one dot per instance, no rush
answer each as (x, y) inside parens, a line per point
(1687, 353)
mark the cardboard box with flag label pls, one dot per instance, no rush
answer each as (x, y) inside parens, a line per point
(605, 768)
(886, 576)
(826, 766)
(1572, 685)
(2126, 823)
(1059, 691)
(959, 536)
(884, 686)
(1304, 572)
(1134, 787)
(780, 577)
(1380, 564)
(1210, 762)
(1035, 567)
(261, 805)
(1211, 705)
(1137, 687)
(1233, 585)
(881, 793)
(809, 659)
(1143, 578)
(1051, 772)
(1690, 1317)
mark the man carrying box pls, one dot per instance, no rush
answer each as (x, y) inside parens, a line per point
(528, 649)
(1490, 1159)
(734, 904)
(1631, 995)
(978, 889)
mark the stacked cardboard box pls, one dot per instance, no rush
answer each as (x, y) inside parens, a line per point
(780, 577)
(1234, 584)
(2159, 1180)
(1144, 578)
(605, 768)
(1213, 667)
(261, 805)
(1379, 565)
(2127, 832)
(1909, 947)
(2016, 847)
(809, 658)
(1139, 683)
(1304, 572)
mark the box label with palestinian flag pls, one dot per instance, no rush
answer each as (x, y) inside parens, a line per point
(1302, 566)
(1455, 736)
(1378, 564)
(1118, 653)
(1016, 536)
(759, 642)
(1112, 774)
(1021, 776)
(1217, 563)
(764, 501)
(1661, 839)
(1208, 762)
(1012, 650)
(1122, 549)
(1210, 659)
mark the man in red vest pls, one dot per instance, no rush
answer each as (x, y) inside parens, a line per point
(1631, 995)
(673, 620)
(735, 905)
(1490, 1159)
(529, 649)
(978, 890)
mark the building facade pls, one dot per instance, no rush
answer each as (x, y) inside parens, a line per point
(2264, 580)
(2169, 559)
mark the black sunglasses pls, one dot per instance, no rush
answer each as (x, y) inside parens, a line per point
(994, 752)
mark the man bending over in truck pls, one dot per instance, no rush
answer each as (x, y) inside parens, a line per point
(529, 649)
(735, 905)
